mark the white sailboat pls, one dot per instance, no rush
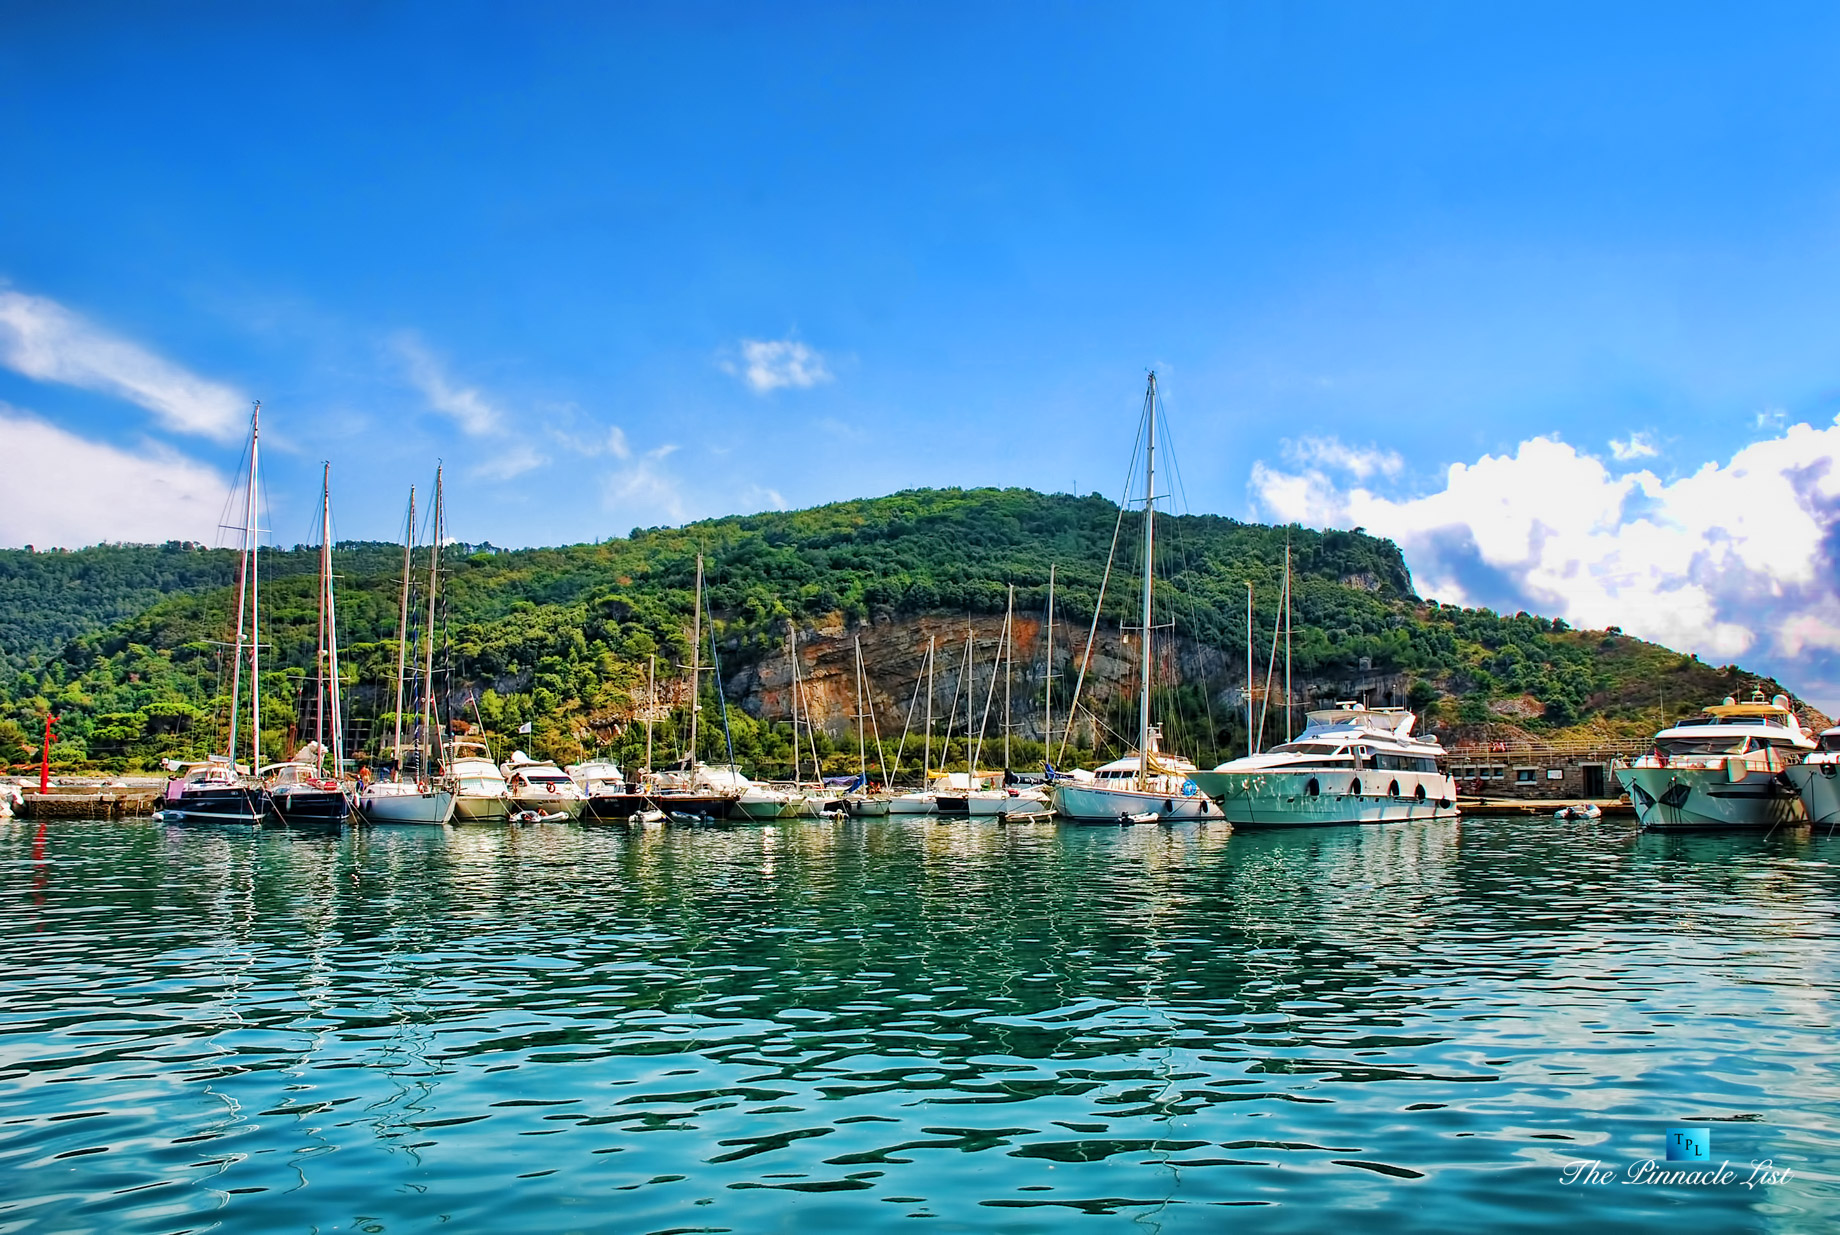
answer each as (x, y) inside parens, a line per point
(1146, 785)
(422, 800)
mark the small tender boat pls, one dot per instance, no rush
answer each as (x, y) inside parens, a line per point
(539, 785)
(1724, 769)
(1579, 810)
(10, 799)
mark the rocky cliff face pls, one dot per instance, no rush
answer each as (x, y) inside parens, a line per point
(894, 654)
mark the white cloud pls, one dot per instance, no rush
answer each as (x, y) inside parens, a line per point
(617, 445)
(48, 343)
(768, 364)
(1635, 446)
(507, 462)
(1734, 560)
(647, 493)
(470, 409)
(66, 491)
(1362, 462)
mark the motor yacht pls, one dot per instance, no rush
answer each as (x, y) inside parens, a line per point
(1351, 764)
(1723, 769)
(539, 785)
(481, 793)
(1817, 778)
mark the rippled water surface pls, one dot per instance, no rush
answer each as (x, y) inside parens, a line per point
(883, 1024)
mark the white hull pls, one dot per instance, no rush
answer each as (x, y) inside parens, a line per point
(434, 808)
(1707, 799)
(491, 808)
(913, 804)
(1284, 799)
(1819, 785)
(1081, 803)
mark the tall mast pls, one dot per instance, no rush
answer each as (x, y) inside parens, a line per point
(1009, 658)
(1143, 691)
(434, 575)
(1290, 730)
(332, 639)
(926, 761)
(862, 741)
(325, 576)
(696, 663)
(255, 606)
(242, 589)
(1047, 688)
(651, 704)
(792, 654)
(1249, 750)
(969, 674)
(402, 630)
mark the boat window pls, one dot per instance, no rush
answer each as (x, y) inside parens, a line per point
(1830, 741)
(1702, 746)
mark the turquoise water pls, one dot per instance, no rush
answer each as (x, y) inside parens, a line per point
(911, 1026)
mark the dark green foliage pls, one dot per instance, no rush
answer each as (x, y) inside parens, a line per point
(124, 642)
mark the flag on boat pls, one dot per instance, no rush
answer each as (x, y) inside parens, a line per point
(525, 727)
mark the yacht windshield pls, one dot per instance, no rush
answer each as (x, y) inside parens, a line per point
(1702, 746)
(1830, 741)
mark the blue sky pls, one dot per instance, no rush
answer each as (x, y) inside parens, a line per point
(628, 265)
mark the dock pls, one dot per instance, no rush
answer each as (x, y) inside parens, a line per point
(1485, 805)
(90, 802)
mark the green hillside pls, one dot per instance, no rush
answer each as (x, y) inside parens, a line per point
(124, 642)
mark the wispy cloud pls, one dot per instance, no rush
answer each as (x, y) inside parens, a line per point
(48, 343)
(1635, 446)
(1736, 559)
(767, 365)
(472, 411)
(78, 492)
(1359, 461)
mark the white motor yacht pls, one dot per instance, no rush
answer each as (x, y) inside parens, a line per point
(1725, 768)
(481, 794)
(597, 776)
(539, 785)
(1351, 764)
(1135, 790)
(1817, 778)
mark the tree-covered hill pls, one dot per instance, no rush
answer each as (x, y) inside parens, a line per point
(124, 642)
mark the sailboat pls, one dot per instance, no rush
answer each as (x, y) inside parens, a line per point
(1146, 785)
(859, 802)
(419, 801)
(219, 790)
(300, 793)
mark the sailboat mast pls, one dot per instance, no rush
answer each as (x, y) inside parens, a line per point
(1143, 692)
(968, 679)
(255, 606)
(402, 629)
(696, 663)
(792, 654)
(1009, 659)
(332, 641)
(1290, 730)
(926, 762)
(325, 575)
(651, 704)
(434, 575)
(1249, 750)
(1047, 687)
(242, 596)
(862, 740)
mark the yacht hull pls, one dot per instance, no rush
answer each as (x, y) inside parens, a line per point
(493, 808)
(1091, 804)
(1284, 799)
(240, 804)
(1819, 785)
(914, 804)
(309, 808)
(432, 808)
(1677, 799)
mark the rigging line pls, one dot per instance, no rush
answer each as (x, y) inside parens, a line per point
(958, 684)
(1272, 666)
(989, 698)
(1104, 580)
(912, 706)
